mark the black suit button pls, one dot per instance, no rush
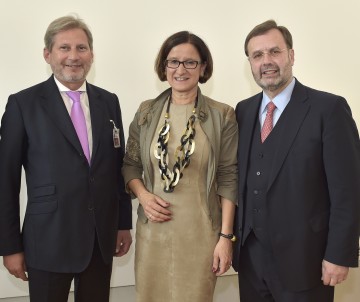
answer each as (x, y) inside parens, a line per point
(256, 192)
(258, 173)
(90, 208)
(261, 155)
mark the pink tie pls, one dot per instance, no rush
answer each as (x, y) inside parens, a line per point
(78, 119)
(268, 123)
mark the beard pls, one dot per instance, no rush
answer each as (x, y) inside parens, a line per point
(280, 80)
(277, 84)
(63, 75)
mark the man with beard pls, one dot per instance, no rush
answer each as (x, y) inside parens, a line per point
(67, 135)
(299, 171)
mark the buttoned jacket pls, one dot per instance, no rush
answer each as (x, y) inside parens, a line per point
(312, 198)
(69, 202)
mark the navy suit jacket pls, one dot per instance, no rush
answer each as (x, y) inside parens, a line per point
(69, 202)
(313, 194)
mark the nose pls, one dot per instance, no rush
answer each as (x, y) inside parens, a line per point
(73, 54)
(266, 57)
(181, 68)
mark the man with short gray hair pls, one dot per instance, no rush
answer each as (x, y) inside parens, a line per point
(67, 135)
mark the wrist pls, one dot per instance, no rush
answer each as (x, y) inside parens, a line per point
(231, 237)
(141, 194)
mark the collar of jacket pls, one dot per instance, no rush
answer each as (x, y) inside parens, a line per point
(146, 111)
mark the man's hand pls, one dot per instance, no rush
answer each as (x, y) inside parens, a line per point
(123, 242)
(15, 264)
(333, 274)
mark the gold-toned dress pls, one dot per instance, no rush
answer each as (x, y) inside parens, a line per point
(174, 259)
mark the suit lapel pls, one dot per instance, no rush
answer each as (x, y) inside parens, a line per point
(292, 117)
(53, 104)
(97, 117)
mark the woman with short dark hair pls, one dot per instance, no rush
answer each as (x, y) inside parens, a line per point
(181, 164)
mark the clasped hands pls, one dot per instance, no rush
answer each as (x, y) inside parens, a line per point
(155, 208)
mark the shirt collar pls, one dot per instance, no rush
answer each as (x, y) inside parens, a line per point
(63, 88)
(281, 100)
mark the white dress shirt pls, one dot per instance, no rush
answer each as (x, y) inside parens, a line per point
(84, 101)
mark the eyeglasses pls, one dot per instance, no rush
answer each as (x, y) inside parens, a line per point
(257, 56)
(190, 64)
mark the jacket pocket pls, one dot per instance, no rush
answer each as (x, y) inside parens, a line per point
(42, 207)
(42, 191)
(42, 200)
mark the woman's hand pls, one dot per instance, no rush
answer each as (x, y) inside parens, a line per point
(223, 249)
(222, 256)
(155, 208)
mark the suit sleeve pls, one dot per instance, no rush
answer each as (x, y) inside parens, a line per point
(12, 157)
(125, 208)
(341, 155)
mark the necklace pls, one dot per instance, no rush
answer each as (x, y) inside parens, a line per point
(182, 153)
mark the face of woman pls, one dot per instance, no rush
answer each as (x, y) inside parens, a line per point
(184, 78)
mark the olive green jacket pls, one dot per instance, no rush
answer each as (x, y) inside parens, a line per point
(218, 123)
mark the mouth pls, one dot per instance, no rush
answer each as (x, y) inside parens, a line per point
(73, 66)
(269, 71)
(181, 79)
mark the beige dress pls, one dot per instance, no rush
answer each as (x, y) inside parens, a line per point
(173, 260)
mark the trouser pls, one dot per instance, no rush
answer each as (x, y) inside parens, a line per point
(91, 285)
(259, 280)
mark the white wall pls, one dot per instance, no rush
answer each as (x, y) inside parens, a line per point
(128, 34)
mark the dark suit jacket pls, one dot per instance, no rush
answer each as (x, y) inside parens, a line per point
(68, 200)
(313, 194)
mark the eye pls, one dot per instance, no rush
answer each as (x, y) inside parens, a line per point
(257, 55)
(64, 47)
(190, 64)
(82, 48)
(172, 63)
(275, 52)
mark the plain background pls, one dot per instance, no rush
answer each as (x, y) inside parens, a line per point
(128, 35)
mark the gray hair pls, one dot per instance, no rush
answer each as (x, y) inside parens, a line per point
(62, 24)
